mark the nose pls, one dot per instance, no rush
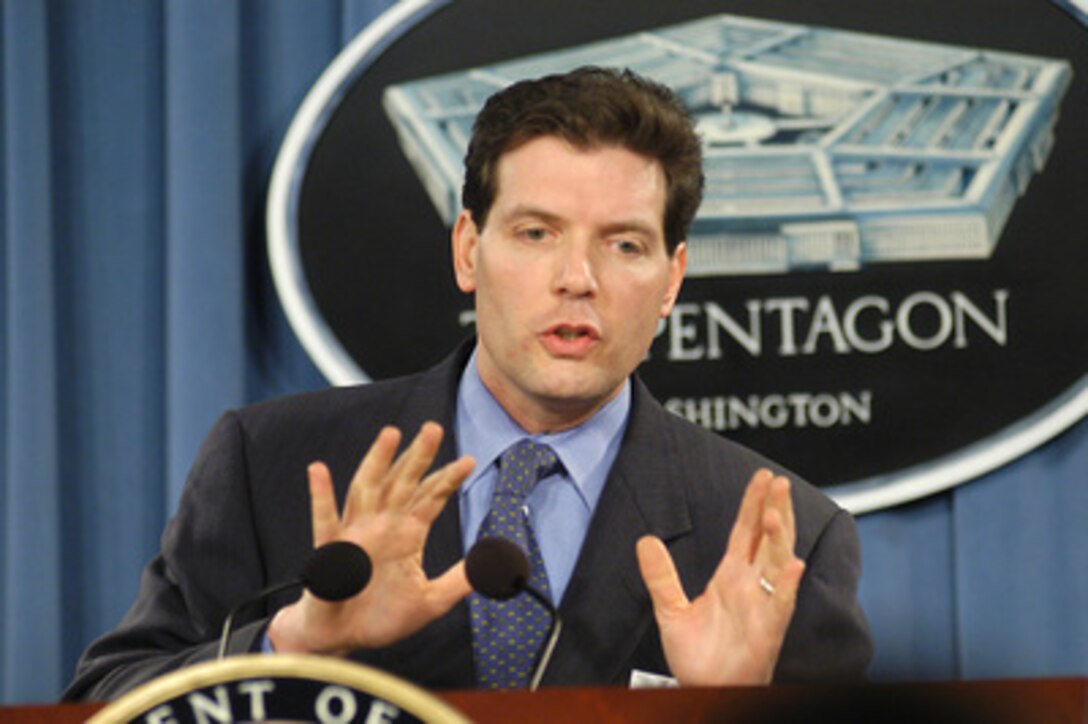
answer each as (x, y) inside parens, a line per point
(575, 273)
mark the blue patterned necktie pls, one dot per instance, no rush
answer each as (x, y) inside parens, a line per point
(506, 635)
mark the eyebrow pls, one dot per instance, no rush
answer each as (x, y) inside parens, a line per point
(616, 227)
(523, 210)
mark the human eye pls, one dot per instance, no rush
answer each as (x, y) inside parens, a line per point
(629, 247)
(532, 234)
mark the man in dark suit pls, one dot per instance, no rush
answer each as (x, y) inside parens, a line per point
(669, 550)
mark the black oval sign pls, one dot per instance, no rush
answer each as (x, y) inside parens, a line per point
(885, 281)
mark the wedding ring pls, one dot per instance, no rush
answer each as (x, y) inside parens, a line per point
(766, 586)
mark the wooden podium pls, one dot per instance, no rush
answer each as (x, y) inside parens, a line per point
(976, 702)
(1053, 701)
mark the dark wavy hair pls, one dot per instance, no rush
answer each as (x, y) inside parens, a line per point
(589, 108)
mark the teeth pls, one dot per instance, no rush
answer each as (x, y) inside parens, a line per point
(569, 334)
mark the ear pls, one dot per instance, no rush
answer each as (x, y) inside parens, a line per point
(678, 264)
(465, 240)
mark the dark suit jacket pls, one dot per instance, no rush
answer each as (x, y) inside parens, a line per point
(243, 523)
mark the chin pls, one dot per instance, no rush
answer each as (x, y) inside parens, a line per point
(577, 395)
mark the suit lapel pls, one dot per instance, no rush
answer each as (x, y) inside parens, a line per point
(606, 609)
(444, 648)
(435, 398)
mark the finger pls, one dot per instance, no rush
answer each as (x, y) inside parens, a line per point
(781, 500)
(446, 590)
(747, 530)
(786, 583)
(776, 547)
(431, 495)
(323, 514)
(659, 575)
(365, 491)
(404, 477)
(774, 552)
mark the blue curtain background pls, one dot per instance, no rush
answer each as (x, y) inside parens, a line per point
(136, 141)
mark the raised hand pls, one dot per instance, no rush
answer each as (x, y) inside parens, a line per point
(389, 510)
(733, 632)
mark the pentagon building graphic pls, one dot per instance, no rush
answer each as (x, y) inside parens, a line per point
(824, 149)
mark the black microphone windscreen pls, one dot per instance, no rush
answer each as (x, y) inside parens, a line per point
(497, 568)
(336, 571)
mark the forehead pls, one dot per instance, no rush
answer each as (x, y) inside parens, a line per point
(595, 180)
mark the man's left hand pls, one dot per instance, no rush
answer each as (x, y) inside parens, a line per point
(733, 632)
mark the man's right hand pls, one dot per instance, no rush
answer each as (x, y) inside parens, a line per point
(389, 511)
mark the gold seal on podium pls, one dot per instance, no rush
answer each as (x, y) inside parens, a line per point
(283, 687)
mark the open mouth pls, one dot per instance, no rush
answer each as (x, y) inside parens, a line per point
(571, 339)
(571, 333)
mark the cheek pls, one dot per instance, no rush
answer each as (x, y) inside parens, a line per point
(640, 310)
(650, 295)
(512, 281)
(499, 291)
(501, 297)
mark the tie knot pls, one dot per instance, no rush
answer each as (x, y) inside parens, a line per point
(522, 465)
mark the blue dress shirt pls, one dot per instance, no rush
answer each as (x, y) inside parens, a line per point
(561, 505)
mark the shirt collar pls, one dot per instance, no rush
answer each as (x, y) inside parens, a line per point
(484, 430)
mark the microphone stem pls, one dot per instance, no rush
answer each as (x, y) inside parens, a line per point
(554, 628)
(228, 623)
(546, 656)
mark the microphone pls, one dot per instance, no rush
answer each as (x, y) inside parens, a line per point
(334, 572)
(497, 568)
